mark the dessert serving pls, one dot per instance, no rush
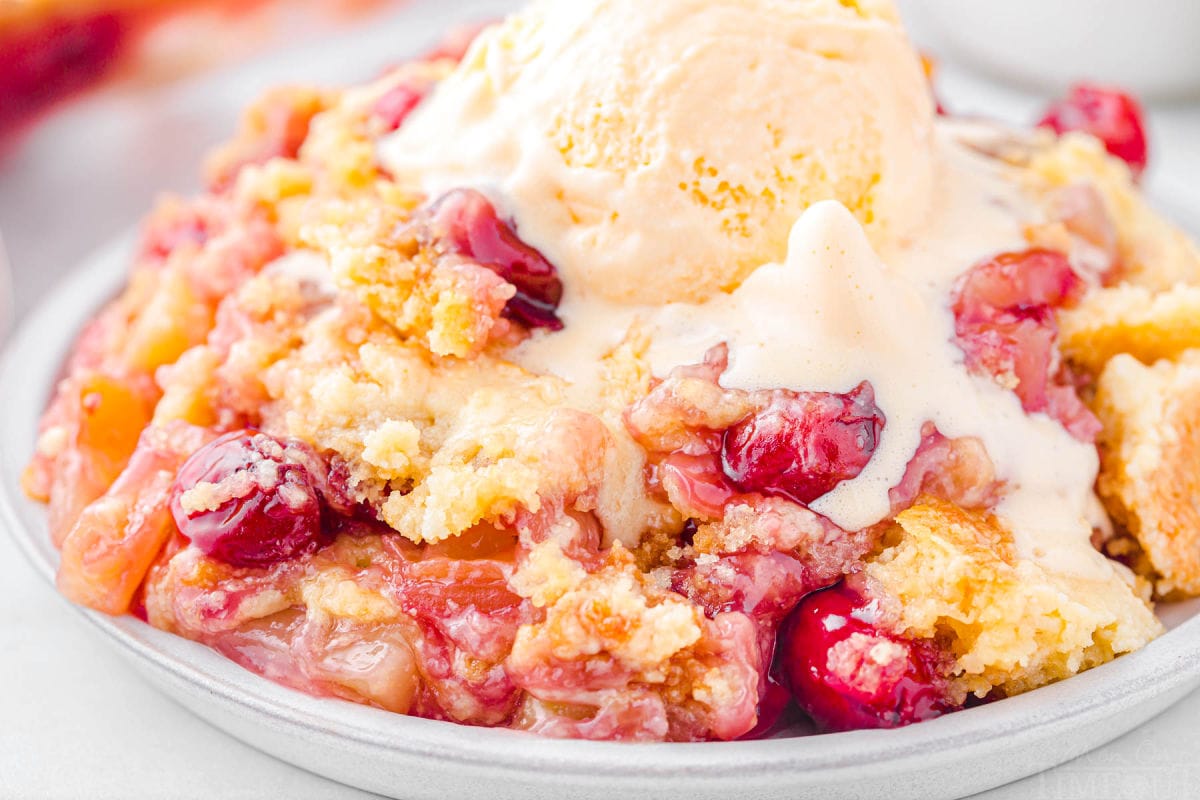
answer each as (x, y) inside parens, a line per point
(667, 371)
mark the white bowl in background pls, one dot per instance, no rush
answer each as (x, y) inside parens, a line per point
(1148, 46)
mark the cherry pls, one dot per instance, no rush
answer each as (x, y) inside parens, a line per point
(466, 223)
(802, 445)
(249, 499)
(699, 483)
(1112, 116)
(763, 586)
(1017, 282)
(847, 674)
(394, 105)
(773, 711)
(1004, 321)
(466, 601)
(442, 588)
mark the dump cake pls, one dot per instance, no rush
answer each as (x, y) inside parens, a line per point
(645, 372)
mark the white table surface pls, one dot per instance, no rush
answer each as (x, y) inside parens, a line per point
(75, 720)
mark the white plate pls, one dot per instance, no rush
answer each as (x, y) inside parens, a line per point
(400, 756)
(956, 755)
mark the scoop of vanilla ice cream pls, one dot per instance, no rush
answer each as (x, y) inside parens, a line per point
(660, 151)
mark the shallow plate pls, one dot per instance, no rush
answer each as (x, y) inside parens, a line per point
(399, 756)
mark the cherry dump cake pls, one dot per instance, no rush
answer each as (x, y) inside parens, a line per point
(663, 371)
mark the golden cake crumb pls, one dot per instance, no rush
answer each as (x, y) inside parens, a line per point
(335, 593)
(613, 612)
(1131, 319)
(1152, 252)
(1010, 624)
(1149, 449)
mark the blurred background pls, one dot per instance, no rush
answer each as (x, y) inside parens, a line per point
(1147, 46)
(106, 103)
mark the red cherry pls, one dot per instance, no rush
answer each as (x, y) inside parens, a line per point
(465, 222)
(1005, 324)
(441, 588)
(466, 601)
(763, 586)
(698, 481)
(846, 673)
(1016, 282)
(249, 500)
(801, 445)
(1112, 116)
(394, 105)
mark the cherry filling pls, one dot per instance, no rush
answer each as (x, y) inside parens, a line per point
(773, 711)
(249, 500)
(1113, 117)
(847, 673)
(1005, 324)
(791, 445)
(394, 105)
(698, 481)
(441, 588)
(763, 586)
(466, 223)
(802, 445)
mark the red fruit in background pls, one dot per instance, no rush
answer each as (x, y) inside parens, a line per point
(847, 674)
(466, 223)
(1112, 116)
(249, 500)
(394, 106)
(52, 60)
(801, 445)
